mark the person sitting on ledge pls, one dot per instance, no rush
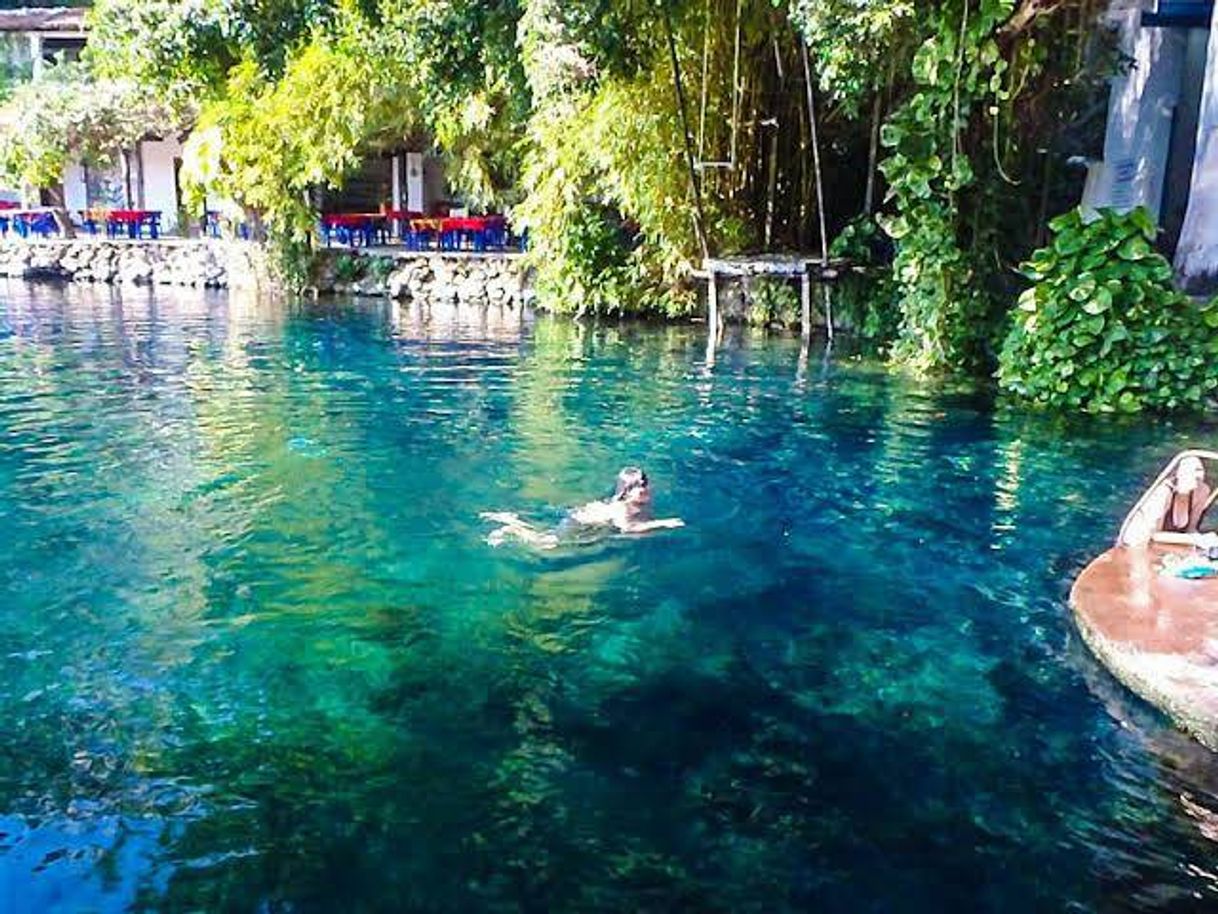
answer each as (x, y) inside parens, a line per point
(1171, 512)
(628, 511)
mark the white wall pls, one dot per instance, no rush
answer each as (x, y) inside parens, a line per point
(414, 183)
(158, 190)
(1197, 253)
(1140, 111)
(75, 191)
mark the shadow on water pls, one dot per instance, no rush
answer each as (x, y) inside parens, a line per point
(258, 656)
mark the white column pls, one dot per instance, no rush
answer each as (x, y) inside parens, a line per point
(1141, 105)
(1197, 252)
(75, 187)
(36, 55)
(414, 183)
(396, 165)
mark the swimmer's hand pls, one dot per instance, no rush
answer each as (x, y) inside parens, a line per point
(670, 523)
(501, 517)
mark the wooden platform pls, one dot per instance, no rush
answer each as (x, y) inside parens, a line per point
(805, 269)
(1157, 633)
(793, 266)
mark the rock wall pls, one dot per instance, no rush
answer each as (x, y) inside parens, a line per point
(448, 277)
(219, 264)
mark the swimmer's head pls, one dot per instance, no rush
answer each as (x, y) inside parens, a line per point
(632, 486)
(1190, 473)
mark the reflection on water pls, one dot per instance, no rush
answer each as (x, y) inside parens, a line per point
(257, 656)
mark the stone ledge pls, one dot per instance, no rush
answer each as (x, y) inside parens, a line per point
(460, 277)
(177, 262)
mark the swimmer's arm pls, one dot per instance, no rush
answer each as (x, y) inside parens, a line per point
(669, 523)
(503, 517)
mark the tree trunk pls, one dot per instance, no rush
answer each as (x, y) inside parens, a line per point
(1197, 252)
(873, 152)
(59, 210)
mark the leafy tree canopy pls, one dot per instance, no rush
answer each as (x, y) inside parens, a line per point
(67, 116)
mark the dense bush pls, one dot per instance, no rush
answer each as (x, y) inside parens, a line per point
(866, 302)
(1103, 329)
(773, 302)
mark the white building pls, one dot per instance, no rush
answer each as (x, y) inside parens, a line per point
(32, 38)
(1161, 143)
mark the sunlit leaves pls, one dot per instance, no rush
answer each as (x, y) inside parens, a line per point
(69, 115)
(1115, 337)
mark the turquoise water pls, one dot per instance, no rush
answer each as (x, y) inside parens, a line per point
(257, 656)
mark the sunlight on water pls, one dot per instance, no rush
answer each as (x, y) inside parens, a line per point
(257, 655)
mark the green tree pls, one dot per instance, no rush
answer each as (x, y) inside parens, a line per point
(68, 115)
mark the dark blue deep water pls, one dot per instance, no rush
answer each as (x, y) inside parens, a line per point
(256, 655)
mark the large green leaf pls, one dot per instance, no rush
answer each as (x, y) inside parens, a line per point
(1068, 243)
(1099, 302)
(1083, 287)
(1135, 248)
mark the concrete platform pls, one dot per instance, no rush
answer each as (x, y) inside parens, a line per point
(1157, 633)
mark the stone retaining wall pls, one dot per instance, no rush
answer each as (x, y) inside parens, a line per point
(466, 278)
(215, 263)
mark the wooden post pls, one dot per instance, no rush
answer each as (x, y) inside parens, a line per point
(805, 304)
(873, 150)
(828, 304)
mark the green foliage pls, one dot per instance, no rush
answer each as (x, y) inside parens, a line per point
(772, 302)
(380, 268)
(567, 115)
(947, 316)
(856, 45)
(609, 214)
(866, 301)
(469, 95)
(1103, 329)
(169, 44)
(348, 268)
(609, 209)
(68, 114)
(296, 92)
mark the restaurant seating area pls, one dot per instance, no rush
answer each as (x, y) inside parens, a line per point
(40, 222)
(419, 231)
(449, 232)
(122, 223)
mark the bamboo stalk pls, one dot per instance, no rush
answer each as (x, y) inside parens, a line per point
(694, 180)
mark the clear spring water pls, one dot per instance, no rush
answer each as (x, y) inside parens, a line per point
(256, 655)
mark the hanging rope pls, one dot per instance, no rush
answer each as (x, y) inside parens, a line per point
(694, 180)
(705, 81)
(820, 191)
(736, 89)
